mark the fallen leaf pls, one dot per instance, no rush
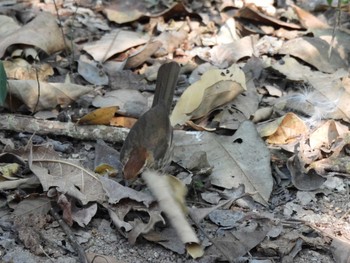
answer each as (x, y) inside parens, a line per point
(83, 215)
(302, 179)
(284, 130)
(100, 116)
(36, 206)
(169, 202)
(21, 69)
(51, 94)
(314, 51)
(130, 102)
(122, 121)
(113, 43)
(92, 72)
(98, 258)
(239, 159)
(308, 20)
(67, 175)
(251, 12)
(116, 192)
(330, 99)
(215, 88)
(48, 38)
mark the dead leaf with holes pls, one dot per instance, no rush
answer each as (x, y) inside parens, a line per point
(68, 176)
(239, 159)
(215, 88)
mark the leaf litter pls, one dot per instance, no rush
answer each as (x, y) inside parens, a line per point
(262, 151)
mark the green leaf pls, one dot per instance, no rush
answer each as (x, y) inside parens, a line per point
(329, 2)
(3, 84)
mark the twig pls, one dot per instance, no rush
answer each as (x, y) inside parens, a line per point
(337, 24)
(70, 236)
(21, 123)
(63, 36)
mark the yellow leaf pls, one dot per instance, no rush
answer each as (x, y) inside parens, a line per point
(100, 116)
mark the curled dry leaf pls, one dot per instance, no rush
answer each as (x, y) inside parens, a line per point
(303, 180)
(51, 94)
(215, 88)
(163, 189)
(48, 35)
(284, 130)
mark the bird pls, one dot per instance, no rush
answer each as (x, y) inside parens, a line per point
(149, 142)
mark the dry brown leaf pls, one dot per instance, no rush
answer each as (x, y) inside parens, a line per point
(331, 97)
(67, 175)
(239, 159)
(170, 40)
(326, 134)
(251, 12)
(116, 192)
(225, 54)
(128, 11)
(21, 69)
(121, 121)
(48, 35)
(113, 43)
(101, 116)
(163, 190)
(308, 20)
(284, 130)
(140, 56)
(91, 71)
(51, 94)
(314, 50)
(215, 88)
(83, 215)
(339, 42)
(130, 102)
(301, 178)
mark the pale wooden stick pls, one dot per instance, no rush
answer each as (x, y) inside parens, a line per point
(22, 123)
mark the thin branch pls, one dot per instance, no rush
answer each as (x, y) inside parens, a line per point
(70, 235)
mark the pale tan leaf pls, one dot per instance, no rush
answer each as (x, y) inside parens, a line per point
(48, 35)
(283, 130)
(51, 94)
(21, 69)
(215, 88)
(115, 42)
(164, 192)
(314, 51)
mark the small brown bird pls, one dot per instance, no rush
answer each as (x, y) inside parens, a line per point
(148, 143)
